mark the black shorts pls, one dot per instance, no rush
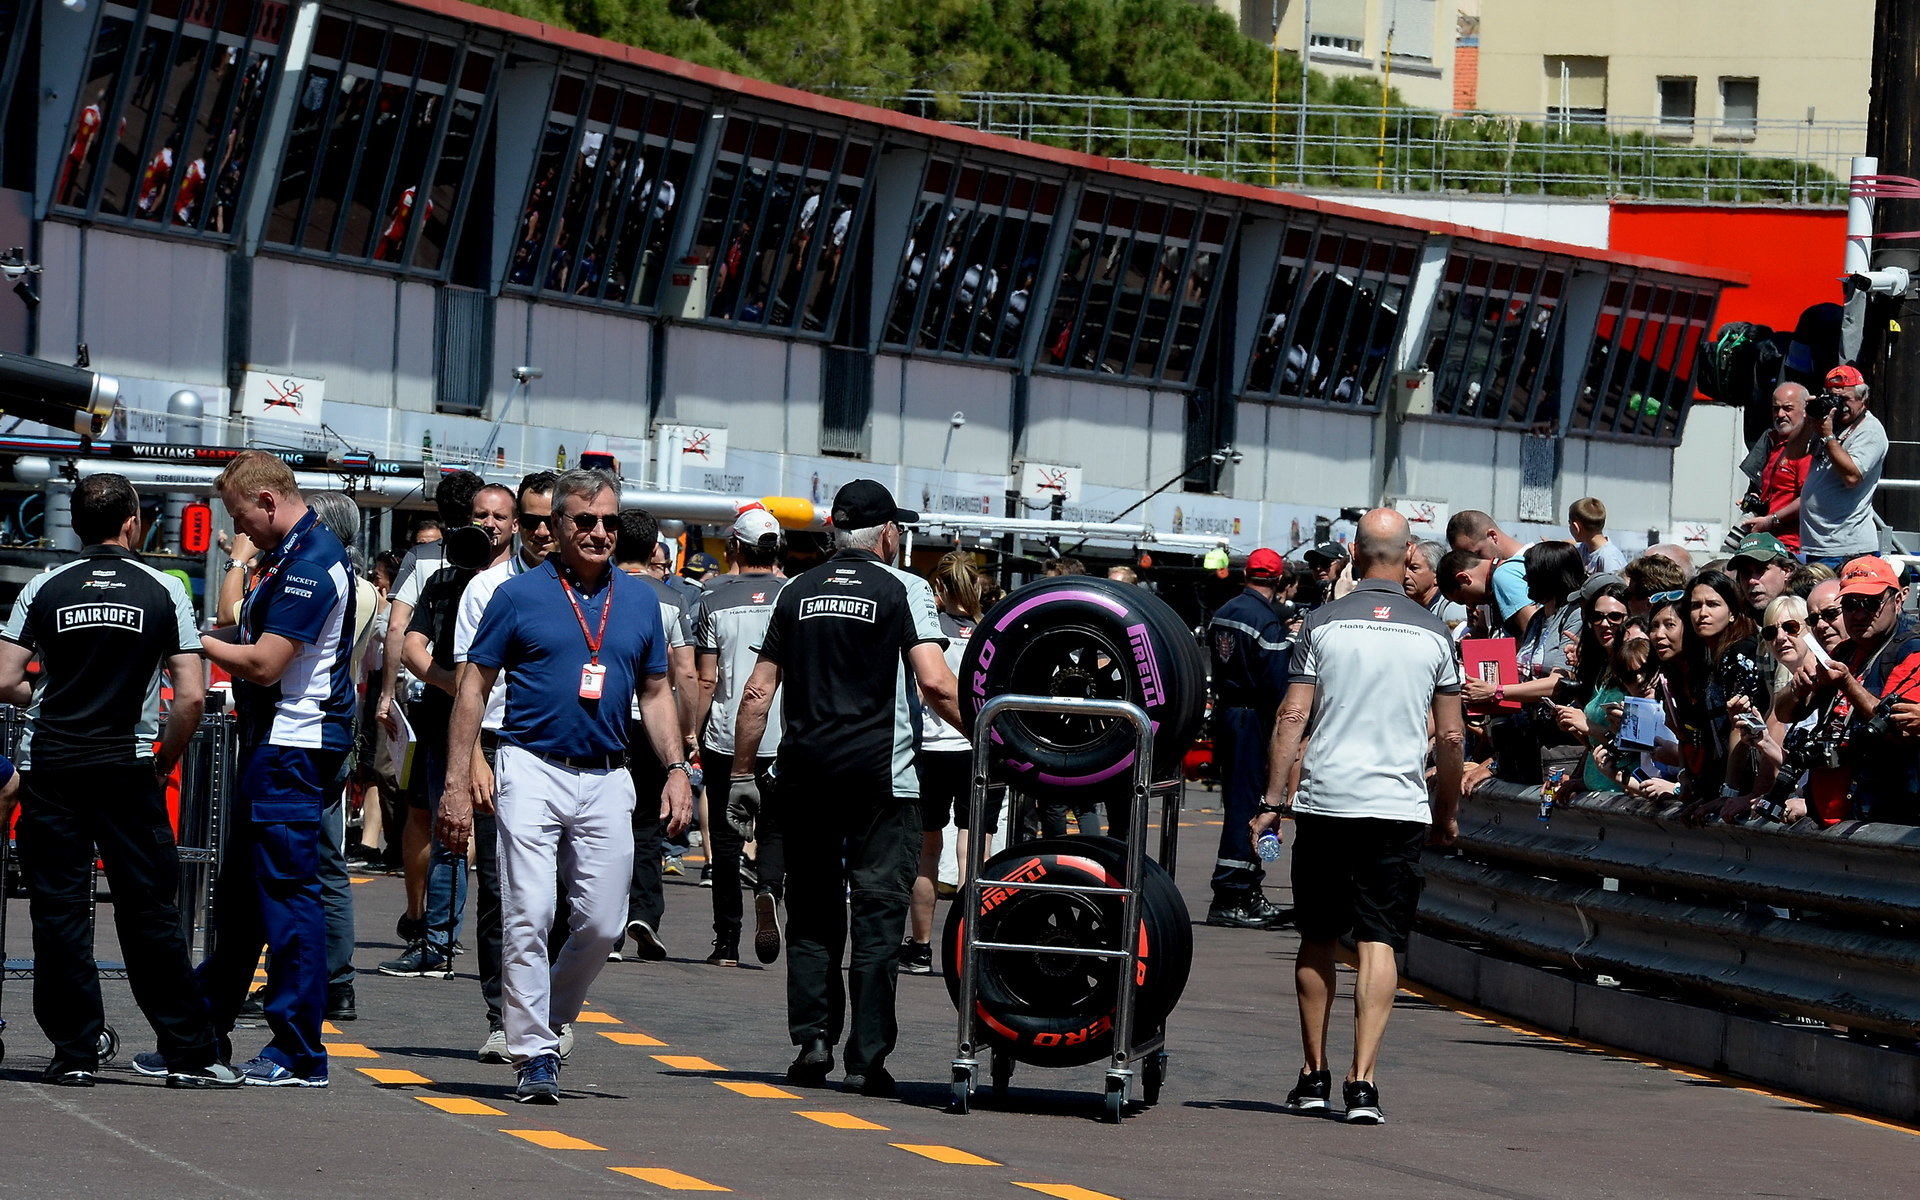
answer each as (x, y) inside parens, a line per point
(1356, 874)
(946, 787)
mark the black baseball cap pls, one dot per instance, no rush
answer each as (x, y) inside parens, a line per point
(865, 503)
(1325, 554)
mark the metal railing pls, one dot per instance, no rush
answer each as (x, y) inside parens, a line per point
(1799, 162)
(1607, 887)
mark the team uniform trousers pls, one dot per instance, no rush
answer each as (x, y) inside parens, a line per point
(269, 893)
(336, 887)
(574, 826)
(853, 856)
(65, 814)
(726, 846)
(1240, 738)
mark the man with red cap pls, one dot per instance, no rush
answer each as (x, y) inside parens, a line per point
(1836, 501)
(1875, 674)
(1250, 648)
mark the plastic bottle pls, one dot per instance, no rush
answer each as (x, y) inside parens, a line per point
(1267, 846)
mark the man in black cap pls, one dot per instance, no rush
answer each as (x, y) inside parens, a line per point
(1326, 561)
(848, 638)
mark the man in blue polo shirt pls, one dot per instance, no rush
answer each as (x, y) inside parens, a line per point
(565, 797)
(291, 660)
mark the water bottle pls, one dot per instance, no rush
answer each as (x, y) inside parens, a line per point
(1267, 846)
(1550, 791)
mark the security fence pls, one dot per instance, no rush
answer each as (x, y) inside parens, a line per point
(1415, 150)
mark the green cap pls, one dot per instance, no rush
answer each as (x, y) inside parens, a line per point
(1216, 559)
(1763, 548)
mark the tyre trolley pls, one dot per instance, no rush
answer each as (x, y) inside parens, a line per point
(206, 775)
(1145, 1057)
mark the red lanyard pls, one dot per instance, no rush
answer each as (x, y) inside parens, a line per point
(594, 641)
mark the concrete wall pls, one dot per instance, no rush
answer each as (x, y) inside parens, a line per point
(1575, 222)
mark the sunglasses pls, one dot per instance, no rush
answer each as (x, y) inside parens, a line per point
(529, 521)
(1659, 598)
(1609, 618)
(1791, 628)
(1830, 616)
(1863, 604)
(587, 522)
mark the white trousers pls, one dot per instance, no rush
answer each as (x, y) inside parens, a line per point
(565, 824)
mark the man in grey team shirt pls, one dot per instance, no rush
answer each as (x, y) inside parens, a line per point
(729, 624)
(1371, 673)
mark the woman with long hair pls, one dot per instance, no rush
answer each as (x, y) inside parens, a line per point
(944, 763)
(1729, 639)
(1680, 672)
(1603, 610)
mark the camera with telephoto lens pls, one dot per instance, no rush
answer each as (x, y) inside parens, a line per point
(1879, 728)
(1752, 504)
(468, 547)
(1819, 404)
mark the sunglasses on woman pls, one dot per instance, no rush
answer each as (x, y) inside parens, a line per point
(1618, 618)
(1659, 598)
(1791, 628)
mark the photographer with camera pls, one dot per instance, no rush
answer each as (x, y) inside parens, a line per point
(1872, 685)
(1778, 467)
(1836, 501)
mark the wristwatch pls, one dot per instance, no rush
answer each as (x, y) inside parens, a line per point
(232, 563)
(682, 765)
(1278, 810)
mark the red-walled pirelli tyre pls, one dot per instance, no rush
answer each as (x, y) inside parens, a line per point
(1057, 1010)
(1080, 636)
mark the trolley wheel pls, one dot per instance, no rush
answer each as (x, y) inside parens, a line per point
(1116, 1098)
(109, 1043)
(1002, 1073)
(961, 1100)
(1152, 1074)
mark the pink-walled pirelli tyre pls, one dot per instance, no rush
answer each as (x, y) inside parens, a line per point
(1079, 636)
(1057, 1010)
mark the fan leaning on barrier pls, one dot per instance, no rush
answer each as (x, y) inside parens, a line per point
(1041, 940)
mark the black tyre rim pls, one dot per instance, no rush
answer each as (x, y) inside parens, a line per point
(1057, 984)
(1075, 662)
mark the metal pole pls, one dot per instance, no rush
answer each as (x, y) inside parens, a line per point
(1306, 47)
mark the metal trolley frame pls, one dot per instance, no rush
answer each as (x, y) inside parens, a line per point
(207, 771)
(1147, 1058)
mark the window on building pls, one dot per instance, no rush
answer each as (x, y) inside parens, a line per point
(1493, 340)
(169, 108)
(1133, 291)
(1333, 310)
(606, 185)
(380, 151)
(1677, 101)
(1576, 87)
(1339, 25)
(1639, 377)
(463, 349)
(1739, 107)
(1410, 28)
(970, 266)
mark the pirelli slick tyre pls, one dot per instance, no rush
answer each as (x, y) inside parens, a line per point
(1057, 1010)
(1078, 636)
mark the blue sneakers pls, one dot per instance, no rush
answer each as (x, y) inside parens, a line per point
(265, 1072)
(539, 1080)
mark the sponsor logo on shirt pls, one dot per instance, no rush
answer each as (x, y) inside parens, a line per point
(857, 608)
(102, 584)
(1382, 612)
(99, 616)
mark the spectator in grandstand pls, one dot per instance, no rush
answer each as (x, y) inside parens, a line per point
(1783, 644)
(1825, 615)
(1473, 530)
(1587, 521)
(1717, 609)
(1652, 575)
(1836, 502)
(1677, 554)
(1878, 671)
(944, 765)
(1371, 675)
(565, 799)
(1764, 567)
(1777, 467)
(1803, 577)
(1680, 662)
(1618, 643)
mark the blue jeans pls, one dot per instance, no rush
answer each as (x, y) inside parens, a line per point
(1821, 560)
(446, 871)
(1240, 737)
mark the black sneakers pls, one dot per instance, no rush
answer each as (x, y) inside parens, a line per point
(916, 958)
(647, 945)
(813, 1064)
(766, 926)
(1310, 1092)
(726, 950)
(1363, 1103)
(1234, 915)
(66, 1075)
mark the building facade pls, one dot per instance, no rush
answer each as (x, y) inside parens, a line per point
(1411, 42)
(415, 227)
